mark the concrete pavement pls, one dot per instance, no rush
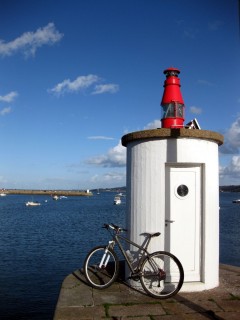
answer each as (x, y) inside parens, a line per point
(77, 300)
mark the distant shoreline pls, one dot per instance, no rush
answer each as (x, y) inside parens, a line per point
(47, 192)
(230, 188)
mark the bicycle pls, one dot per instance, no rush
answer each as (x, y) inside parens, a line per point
(160, 273)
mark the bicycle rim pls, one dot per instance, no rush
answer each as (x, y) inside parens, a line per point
(101, 267)
(161, 275)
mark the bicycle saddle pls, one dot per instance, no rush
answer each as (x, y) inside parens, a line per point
(151, 235)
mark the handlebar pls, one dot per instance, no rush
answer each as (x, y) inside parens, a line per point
(113, 227)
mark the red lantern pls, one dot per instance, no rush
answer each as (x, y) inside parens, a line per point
(172, 101)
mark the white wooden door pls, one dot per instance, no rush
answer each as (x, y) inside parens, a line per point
(183, 217)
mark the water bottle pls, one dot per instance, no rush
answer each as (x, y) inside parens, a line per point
(129, 255)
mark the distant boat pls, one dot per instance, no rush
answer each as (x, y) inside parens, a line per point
(33, 203)
(236, 201)
(63, 197)
(117, 200)
(3, 194)
(55, 197)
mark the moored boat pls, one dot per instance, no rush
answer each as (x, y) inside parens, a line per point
(33, 203)
(117, 200)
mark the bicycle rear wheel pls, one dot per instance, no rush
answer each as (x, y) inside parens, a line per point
(161, 275)
(101, 267)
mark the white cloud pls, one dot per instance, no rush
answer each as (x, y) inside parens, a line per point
(153, 125)
(110, 178)
(233, 134)
(207, 83)
(29, 42)
(5, 111)
(9, 97)
(230, 174)
(106, 88)
(232, 171)
(195, 110)
(100, 138)
(232, 139)
(80, 83)
(84, 82)
(115, 157)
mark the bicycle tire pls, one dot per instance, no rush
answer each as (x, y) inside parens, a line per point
(161, 275)
(103, 276)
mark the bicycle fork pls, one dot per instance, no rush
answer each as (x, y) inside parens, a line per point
(106, 255)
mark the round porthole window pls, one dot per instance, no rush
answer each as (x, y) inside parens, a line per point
(182, 190)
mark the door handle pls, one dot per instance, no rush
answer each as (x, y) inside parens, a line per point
(169, 221)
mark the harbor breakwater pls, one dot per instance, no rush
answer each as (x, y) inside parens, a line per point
(47, 192)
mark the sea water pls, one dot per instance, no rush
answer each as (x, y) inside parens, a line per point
(40, 246)
(229, 228)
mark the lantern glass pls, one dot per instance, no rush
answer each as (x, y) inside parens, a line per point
(173, 110)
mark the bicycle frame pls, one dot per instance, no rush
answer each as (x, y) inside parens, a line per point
(116, 239)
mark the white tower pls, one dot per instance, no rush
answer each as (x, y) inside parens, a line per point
(173, 187)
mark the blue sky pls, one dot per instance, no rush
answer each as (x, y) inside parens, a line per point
(75, 76)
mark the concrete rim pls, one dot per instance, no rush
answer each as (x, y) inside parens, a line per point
(166, 133)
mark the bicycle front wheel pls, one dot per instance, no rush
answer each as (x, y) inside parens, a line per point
(161, 275)
(101, 267)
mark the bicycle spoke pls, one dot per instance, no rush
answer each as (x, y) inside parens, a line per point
(161, 275)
